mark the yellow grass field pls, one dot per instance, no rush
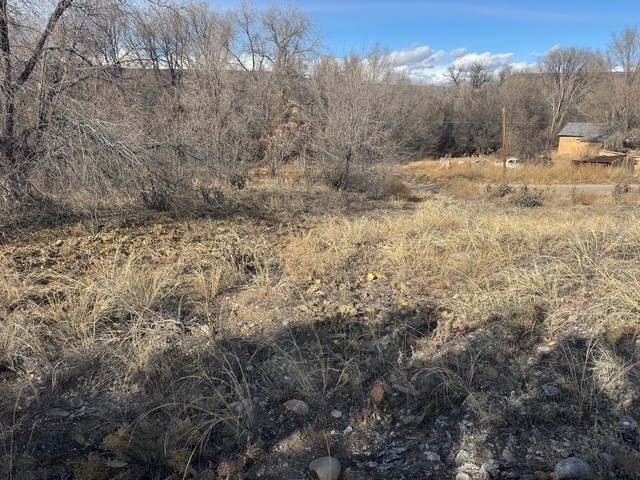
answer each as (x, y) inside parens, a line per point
(484, 169)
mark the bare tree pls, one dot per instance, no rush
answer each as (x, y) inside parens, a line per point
(477, 74)
(248, 47)
(107, 34)
(520, 93)
(275, 47)
(624, 56)
(353, 117)
(568, 74)
(17, 70)
(63, 124)
(455, 73)
(164, 37)
(290, 41)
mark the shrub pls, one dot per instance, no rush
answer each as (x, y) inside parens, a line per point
(239, 179)
(527, 198)
(212, 197)
(621, 189)
(375, 184)
(505, 189)
(156, 198)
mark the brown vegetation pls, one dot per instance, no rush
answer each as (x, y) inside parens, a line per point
(171, 346)
(202, 219)
(489, 170)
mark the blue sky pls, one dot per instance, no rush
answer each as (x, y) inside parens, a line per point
(427, 36)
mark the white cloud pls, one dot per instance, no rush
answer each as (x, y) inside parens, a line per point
(426, 65)
(492, 61)
(417, 56)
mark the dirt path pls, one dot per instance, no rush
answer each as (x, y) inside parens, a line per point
(565, 189)
(599, 189)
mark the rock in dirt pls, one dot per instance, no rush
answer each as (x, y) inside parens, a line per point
(297, 406)
(463, 476)
(432, 457)
(240, 406)
(462, 457)
(628, 424)
(325, 468)
(551, 390)
(492, 467)
(81, 439)
(59, 412)
(76, 402)
(336, 414)
(508, 456)
(572, 467)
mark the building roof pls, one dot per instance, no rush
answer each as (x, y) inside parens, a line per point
(587, 131)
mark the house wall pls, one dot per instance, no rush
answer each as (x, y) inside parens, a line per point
(574, 148)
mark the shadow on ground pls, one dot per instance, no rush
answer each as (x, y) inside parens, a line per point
(392, 392)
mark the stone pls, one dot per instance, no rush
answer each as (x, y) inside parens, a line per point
(551, 390)
(432, 457)
(81, 439)
(241, 405)
(462, 457)
(117, 463)
(492, 467)
(59, 412)
(76, 402)
(297, 406)
(463, 476)
(572, 467)
(508, 456)
(336, 414)
(325, 468)
(628, 424)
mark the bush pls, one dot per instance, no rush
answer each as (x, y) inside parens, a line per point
(505, 189)
(527, 198)
(239, 179)
(212, 197)
(375, 184)
(156, 198)
(335, 178)
(621, 189)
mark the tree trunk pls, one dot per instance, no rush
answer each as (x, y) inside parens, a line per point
(9, 90)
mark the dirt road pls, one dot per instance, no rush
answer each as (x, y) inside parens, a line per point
(598, 189)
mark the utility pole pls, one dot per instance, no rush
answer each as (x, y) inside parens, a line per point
(504, 139)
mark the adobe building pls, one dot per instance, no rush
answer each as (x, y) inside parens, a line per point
(580, 140)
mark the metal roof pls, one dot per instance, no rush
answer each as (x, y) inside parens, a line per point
(590, 130)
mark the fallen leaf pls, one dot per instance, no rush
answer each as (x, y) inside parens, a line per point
(377, 394)
(347, 310)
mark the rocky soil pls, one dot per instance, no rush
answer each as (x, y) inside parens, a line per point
(373, 368)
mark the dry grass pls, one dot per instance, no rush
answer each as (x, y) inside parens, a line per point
(484, 170)
(207, 334)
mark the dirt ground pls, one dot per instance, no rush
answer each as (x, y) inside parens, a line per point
(159, 347)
